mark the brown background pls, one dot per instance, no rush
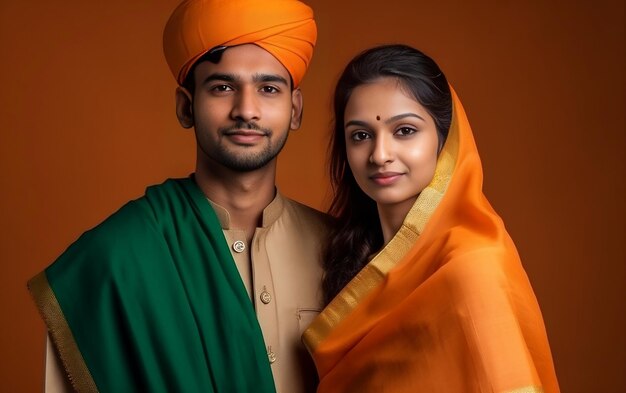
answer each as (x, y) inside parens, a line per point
(87, 121)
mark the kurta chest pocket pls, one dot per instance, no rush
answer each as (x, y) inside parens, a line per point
(305, 317)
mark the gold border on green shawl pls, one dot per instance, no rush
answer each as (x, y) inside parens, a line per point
(375, 271)
(61, 335)
(527, 389)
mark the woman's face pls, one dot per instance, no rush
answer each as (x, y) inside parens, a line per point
(391, 142)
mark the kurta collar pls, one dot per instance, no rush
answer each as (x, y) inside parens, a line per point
(270, 213)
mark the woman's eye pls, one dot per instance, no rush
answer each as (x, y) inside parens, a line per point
(405, 131)
(360, 136)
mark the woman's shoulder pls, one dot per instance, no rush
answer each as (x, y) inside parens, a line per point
(489, 274)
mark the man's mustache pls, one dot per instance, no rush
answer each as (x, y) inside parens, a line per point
(243, 125)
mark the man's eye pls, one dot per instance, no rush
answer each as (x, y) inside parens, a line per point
(221, 88)
(269, 89)
(360, 136)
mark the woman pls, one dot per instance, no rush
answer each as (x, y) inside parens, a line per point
(428, 292)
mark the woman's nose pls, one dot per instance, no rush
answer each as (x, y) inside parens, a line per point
(382, 152)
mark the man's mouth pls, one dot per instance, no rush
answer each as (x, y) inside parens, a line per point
(243, 133)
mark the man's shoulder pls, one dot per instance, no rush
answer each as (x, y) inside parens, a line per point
(308, 214)
(137, 219)
(139, 228)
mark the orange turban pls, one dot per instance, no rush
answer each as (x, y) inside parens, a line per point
(285, 28)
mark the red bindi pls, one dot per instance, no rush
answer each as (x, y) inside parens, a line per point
(377, 117)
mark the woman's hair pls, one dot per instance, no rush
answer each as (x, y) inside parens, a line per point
(357, 232)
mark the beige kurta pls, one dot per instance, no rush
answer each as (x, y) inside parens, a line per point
(281, 271)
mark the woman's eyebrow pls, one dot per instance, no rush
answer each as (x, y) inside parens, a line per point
(402, 116)
(358, 123)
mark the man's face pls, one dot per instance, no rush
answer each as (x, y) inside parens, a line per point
(243, 109)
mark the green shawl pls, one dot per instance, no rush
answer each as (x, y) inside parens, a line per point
(151, 301)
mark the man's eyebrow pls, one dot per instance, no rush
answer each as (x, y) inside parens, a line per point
(220, 77)
(269, 78)
(256, 78)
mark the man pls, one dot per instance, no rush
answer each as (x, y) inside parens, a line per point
(157, 297)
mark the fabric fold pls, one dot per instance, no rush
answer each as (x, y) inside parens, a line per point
(285, 28)
(151, 300)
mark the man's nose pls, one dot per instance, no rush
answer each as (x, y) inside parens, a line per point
(246, 106)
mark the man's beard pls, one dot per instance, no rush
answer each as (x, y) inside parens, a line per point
(247, 162)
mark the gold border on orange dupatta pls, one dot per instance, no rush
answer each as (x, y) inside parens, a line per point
(61, 335)
(527, 389)
(374, 272)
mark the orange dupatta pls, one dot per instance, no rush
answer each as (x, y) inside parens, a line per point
(445, 306)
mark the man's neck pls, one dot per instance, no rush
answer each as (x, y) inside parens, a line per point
(243, 194)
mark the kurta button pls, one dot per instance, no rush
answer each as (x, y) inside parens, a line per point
(265, 297)
(271, 356)
(239, 246)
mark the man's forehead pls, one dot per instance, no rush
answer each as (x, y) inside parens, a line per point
(244, 62)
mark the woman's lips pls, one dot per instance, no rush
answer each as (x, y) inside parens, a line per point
(385, 178)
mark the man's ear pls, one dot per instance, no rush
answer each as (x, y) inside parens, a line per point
(184, 107)
(296, 108)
